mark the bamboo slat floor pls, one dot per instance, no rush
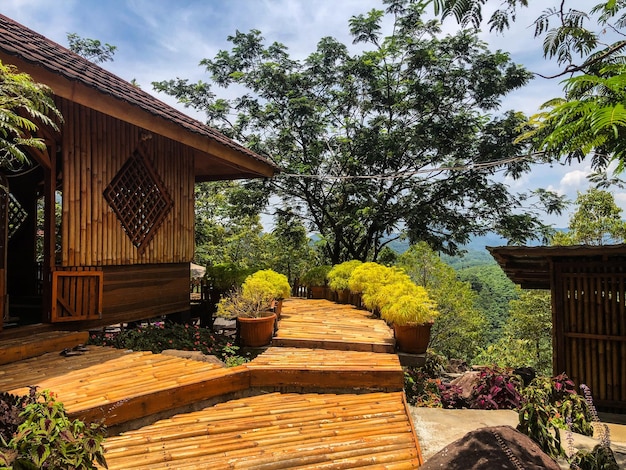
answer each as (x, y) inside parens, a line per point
(120, 386)
(304, 431)
(322, 324)
(319, 369)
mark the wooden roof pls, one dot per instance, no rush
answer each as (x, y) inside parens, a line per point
(75, 78)
(529, 266)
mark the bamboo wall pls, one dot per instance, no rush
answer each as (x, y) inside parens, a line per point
(94, 148)
(590, 327)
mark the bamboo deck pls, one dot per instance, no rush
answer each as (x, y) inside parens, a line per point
(277, 431)
(118, 386)
(272, 430)
(321, 324)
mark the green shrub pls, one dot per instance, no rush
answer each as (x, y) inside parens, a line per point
(158, 336)
(276, 285)
(552, 404)
(316, 276)
(47, 439)
(339, 275)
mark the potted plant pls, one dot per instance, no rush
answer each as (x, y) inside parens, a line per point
(273, 284)
(411, 313)
(371, 280)
(338, 278)
(316, 281)
(251, 307)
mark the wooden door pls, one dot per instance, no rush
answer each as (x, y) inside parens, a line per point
(76, 295)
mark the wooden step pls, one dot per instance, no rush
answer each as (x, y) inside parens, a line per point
(23, 347)
(319, 369)
(321, 324)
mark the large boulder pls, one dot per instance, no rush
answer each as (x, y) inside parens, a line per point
(498, 447)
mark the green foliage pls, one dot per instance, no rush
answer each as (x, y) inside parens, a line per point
(600, 458)
(316, 276)
(252, 300)
(411, 305)
(24, 106)
(493, 291)
(552, 404)
(290, 249)
(339, 275)
(596, 221)
(496, 389)
(228, 228)
(47, 439)
(367, 128)
(159, 336)
(275, 284)
(226, 276)
(91, 49)
(460, 328)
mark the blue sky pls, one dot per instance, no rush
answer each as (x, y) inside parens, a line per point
(164, 39)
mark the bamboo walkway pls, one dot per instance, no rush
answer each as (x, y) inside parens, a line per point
(276, 429)
(321, 324)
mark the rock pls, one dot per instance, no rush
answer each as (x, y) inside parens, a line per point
(497, 447)
(466, 382)
(194, 356)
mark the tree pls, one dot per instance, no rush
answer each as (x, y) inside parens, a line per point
(403, 136)
(494, 290)
(228, 225)
(91, 49)
(590, 121)
(292, 253)
(459, 330)
(527, 338)
(596, 221)
(24, 106)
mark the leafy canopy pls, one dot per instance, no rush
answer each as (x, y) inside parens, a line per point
(588, 47)
(25, 106)
(404, 135)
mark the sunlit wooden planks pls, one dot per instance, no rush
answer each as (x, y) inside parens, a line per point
(119, 386)
(277, 431)
(323, 324)
(326, 369)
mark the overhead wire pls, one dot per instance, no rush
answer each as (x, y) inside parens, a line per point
(408, 174)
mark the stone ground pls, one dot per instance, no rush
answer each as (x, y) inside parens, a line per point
(436, 428)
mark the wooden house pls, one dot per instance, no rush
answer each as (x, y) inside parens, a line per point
(122, 169)
(588, 285)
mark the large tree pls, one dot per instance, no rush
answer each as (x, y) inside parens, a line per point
(597, 220)
(404, 135)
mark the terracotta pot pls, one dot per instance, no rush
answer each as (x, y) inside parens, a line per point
(278, 308)
(318, 292)
(343, 296)
(412, 339)
(256, 332)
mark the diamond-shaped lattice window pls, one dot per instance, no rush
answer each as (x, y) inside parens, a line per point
(17, 215)
(139, 199)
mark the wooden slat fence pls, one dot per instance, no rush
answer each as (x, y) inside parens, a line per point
(590, 333)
